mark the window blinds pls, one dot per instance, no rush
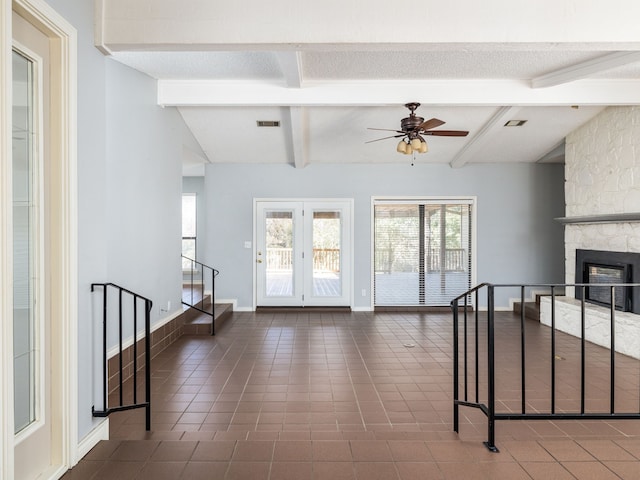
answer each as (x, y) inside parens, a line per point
(422, 252)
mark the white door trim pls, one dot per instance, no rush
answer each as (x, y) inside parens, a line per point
(64, 147)
(351, 241)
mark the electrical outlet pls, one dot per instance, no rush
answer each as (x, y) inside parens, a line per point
(168, 305)
(364, 292)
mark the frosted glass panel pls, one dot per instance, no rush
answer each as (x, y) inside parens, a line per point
(24, 244)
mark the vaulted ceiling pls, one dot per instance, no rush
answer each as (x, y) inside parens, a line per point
(326, 80)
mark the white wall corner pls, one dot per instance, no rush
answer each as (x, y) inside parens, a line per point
(99, 432)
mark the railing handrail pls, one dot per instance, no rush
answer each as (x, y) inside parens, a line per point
(110, 284)
(489, 408)
(148, 305)
(192, 304)
(216, 272)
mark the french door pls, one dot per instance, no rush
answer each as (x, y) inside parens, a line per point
(303, 253)
(38, 430)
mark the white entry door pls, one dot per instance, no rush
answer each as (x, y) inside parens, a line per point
(303, 253)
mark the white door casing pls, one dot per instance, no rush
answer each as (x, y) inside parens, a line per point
(60, 189)
(303, 252)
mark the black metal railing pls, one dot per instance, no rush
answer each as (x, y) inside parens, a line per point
(475, 362)
(137, 303)
(193, 292)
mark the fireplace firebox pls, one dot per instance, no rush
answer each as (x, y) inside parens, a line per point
(599, 269)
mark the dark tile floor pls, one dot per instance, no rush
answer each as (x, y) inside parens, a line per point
(346, 396)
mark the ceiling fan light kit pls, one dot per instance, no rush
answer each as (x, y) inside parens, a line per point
(413, 127)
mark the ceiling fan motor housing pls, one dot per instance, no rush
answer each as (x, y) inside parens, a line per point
(410, 123)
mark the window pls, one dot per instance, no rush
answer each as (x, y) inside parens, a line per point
(188, 229)
(422, 251)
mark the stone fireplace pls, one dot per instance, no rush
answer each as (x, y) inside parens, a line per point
(602, 194)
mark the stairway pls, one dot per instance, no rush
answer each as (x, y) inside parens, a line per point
(197, 322)
(531, 308)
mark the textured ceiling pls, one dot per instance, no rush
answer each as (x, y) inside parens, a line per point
(327, 97)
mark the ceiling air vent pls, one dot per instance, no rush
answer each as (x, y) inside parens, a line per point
(515, 123)
(268, 123)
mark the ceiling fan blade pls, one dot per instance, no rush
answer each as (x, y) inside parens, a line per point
(446, 133)
(384, 138)
(386, 130)
(429, 124)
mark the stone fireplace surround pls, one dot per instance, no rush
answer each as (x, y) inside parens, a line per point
(602, 196)
(599, 234)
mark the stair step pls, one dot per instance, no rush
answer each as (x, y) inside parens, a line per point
(531, 309)
(198, 323)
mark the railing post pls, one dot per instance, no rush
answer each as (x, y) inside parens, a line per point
(491, 384)
(523, 370)
(612, 373)
(213, 304)
(105, 368)
(455, 367)
(147, 361)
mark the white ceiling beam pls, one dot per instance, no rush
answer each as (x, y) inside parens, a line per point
(475, 145)
(585, 69)
(291, 66)
(168, 25)
(297, 136)
(379, 93)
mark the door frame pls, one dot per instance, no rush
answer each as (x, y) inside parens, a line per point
(350, 286)
(64, 293)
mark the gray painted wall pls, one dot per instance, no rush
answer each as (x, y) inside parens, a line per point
(129, 182)
(517, 238)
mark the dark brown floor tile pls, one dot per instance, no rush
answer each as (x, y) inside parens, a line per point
(331, 451)
(213, 451)
(376, 471)
(292, 451)
(606, 450)
(253, 451)
(458, 471)
(173, 451)
(204, 471)
(162, 471)
(134, 450)
(333, 471)
(409, 451)
(120, 470)
(103, 450)
(566, 451)
(248, 471)
(85, 470)
(546, 471)
(291, 471)
(590, 471)
(625, 470)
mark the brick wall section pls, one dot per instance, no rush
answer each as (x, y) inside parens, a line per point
(160, 339)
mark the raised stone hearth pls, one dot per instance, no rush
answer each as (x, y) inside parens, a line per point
(597, 324)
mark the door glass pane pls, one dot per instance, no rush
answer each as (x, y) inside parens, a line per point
(24, 244)
(279, 249)
(327, 281)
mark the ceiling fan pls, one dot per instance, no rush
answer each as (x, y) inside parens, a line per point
(413, 128)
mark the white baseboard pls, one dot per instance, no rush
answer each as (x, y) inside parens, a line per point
(100, 432)
(232, 301)
(361, 309)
